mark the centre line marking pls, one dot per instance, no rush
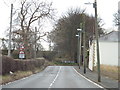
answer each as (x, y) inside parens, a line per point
(55, 78)
(88, 79)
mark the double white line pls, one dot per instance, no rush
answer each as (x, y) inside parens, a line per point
(55, 78)
(78, 74)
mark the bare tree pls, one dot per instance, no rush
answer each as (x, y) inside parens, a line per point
(117, 18)
(31, 14)
(64, 34)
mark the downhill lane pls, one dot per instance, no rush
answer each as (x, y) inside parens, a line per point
(54, 77)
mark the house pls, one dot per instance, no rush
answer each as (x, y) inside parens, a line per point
(108, 48)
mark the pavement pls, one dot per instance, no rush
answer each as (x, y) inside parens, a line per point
(64, 77)
(106, 82)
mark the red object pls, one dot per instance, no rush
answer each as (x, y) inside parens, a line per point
(21, 49)
(22, 52)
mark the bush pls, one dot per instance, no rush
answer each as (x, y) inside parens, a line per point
(4, 52)
(6, 64)
(15, 54)
(9, 64)
(49, 55)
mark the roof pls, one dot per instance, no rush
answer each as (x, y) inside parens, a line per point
(111, 37)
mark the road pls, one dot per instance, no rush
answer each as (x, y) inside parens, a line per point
(54, 77)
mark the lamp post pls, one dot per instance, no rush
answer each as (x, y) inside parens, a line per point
(97, 41)
(79, 47)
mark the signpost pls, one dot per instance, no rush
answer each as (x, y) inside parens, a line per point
(21, 53)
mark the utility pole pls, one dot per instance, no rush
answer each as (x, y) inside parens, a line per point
(80, 38)
(84, 45)
(35, 36)
(78, 48)
(97, 41)
(50, 42)
(79, 45)
(50, 46)
(9, 46)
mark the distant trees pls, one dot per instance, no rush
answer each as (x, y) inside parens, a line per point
(64, 34)
(117, 18)
(31, 14)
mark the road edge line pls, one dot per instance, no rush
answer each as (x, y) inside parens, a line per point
(88, 79)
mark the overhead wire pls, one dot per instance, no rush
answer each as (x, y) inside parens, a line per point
(7, 4)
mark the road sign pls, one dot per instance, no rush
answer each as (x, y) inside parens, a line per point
(21, 53)
(22, 48)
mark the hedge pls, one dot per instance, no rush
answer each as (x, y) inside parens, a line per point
(9, 64)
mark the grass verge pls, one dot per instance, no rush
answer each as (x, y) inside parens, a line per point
(17, 75)
(110, 71)
(21, 74)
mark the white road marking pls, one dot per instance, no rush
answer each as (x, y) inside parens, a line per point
(55, 78)
(88, 79)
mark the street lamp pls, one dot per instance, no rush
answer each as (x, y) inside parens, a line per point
(79, 30)
(79, 46)
(97, 41)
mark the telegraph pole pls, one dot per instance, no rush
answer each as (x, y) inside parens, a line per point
(84, 45)
(35, 43)
(97, 41)
(79, 45)
(9, 46)
(50, 42)
(78, 51)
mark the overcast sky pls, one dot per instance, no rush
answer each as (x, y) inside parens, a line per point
(106, 9)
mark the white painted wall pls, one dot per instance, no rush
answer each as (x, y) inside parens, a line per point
(108, 54)
(91, 57)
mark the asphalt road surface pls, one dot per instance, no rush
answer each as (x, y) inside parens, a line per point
(54, 77)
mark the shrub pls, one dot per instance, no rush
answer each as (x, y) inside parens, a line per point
(15, 54)
(6, 64)
(9, 64)
(49, 55)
